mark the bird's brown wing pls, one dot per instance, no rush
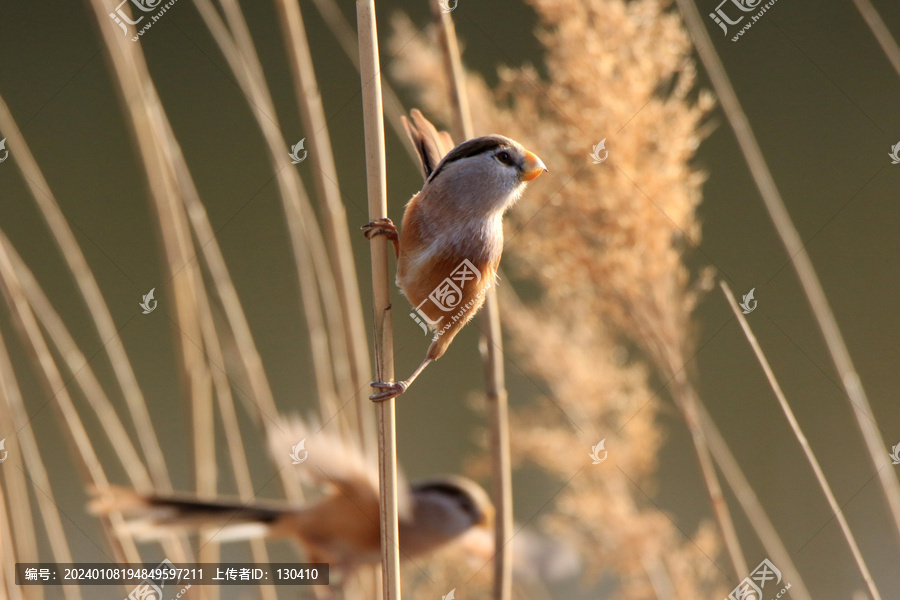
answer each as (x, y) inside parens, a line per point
(430, 144)
(330, 459)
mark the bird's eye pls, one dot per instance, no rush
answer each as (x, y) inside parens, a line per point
(505, 158)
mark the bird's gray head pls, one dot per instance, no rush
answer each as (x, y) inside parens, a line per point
(485, 174)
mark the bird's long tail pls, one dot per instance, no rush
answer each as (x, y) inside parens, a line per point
(151, 517)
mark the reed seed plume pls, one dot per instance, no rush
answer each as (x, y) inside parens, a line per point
(606, 246)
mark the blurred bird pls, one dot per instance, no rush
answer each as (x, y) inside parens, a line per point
(452, 238)
(340, 528)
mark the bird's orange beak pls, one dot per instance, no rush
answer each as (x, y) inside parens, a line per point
(533, 167)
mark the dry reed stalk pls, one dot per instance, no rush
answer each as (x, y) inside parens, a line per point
(312, 114)
(21, 543)
(180, 250)
(8, 555)
(801, 438)
(84, 376)
(233, 435)
(225, 289)
(90, 291)
(746, 497)
(147, 118)
(31, 458)
(376, 179)
(23, 319)
(313, 265)
(880, 31)
(491, 342)
(686, 398)
(344, 33)
(186, 283)
(812, 287)
(185, 279)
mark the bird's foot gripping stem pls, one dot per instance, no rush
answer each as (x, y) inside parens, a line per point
(388, 390)
(383, 226)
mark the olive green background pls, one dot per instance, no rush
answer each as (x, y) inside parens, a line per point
(819, 93)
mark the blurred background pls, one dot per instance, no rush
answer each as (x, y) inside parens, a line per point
(822, 100)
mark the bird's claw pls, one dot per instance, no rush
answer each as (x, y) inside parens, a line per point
(382, 226)
(388, 390)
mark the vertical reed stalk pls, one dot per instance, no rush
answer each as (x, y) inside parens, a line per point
(861, 408)
(376, 176)
(491, 342)
(798, 432)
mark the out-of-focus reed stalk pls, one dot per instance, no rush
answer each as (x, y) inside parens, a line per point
(346, 37)
(7, 555)
(746, 497)
(90, 291)
(84, 376)
(18, 538)
(687, 400)
(310, 251)
(880, 31)
(312, 114)
(180, 211)
(31, 459)
(774, 204)
(801, 438)
(376, 183)
(491, 342)
(55, 386)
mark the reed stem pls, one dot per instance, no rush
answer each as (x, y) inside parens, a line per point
(491, 342)
(376, 175)
(798, 432)
(774, 204)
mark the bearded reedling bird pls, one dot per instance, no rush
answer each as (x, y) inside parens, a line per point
(449, 251)
(341, 527)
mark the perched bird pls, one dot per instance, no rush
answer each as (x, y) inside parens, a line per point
(452, 238)
(341, 527)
